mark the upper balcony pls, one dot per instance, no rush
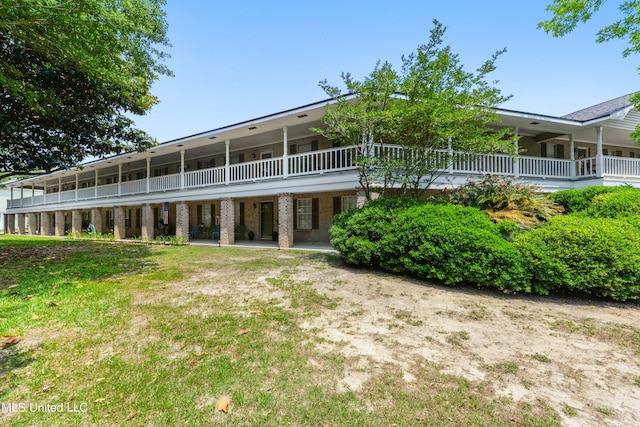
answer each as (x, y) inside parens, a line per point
(336, 160)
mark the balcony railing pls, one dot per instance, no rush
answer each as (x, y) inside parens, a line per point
(343, 159)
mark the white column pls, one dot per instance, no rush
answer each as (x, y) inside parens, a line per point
(599, 155)
(516, 150)
(76, 187)
(33, 193)
(450, 154)
(59, 187)
(95, 190)
(182, 169)
(21, 195)
(572, 156)
(227, 162)
(148, 172)
(119, 179)
(285, 154)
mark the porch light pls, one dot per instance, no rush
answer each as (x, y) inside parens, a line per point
(253, 128)
(254, 206)
(302, 115)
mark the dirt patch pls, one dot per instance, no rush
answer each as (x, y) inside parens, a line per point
(580, 357)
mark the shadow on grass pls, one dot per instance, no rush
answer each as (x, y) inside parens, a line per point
(12, 358)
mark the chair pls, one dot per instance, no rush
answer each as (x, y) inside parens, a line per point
(214, 233)
(194, 232)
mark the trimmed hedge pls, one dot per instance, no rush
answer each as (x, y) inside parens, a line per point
(618, 204)
(453, 244)
(580, 200)
(598, 256)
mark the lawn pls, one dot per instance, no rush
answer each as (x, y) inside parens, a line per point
(128, 334)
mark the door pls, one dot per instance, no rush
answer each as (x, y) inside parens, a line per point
(266, 220)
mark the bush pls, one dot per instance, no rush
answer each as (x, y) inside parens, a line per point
(619, 204)
(453, 244)
(575, 253)
(356, 234)
(504, 199)
(580, 200)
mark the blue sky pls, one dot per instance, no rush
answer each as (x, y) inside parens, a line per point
(234, 61)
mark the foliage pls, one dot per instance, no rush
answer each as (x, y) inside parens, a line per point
(452, 244)
(567, 14)
(356, 233)
(577, 200)
(598, 256)
(504, 199)
(71, 73)
(431, 105)
(618, 204)
(91, 236)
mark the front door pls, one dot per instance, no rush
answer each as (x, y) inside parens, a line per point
(266, 220)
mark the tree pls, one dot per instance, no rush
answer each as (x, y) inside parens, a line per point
(405, 125)
(567, 14)
(70, 73)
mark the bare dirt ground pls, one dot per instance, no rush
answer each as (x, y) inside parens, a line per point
(580, 357)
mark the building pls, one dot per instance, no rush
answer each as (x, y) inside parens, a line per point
(273, 178)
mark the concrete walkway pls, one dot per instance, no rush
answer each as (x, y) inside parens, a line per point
(267, 244)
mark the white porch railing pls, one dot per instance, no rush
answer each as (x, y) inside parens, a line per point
(341, 159)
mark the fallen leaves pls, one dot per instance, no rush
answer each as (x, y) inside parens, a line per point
(223, 405)
(244, 331)
(52, 303)
(7, 341)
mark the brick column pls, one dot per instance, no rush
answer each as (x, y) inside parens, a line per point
(59, 224)
(45, 224)
(361, 198)
(96, 219)
(182, 219)
(33, 224)
(147, 222)
(285, 220)
(21, 227)
(119, 231)
(11, 223)
(76, 221)
(227, 219)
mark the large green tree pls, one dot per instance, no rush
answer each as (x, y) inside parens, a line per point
(567, 14)
(405, 124)
(71, 74)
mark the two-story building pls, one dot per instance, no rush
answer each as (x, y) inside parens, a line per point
(273, 178)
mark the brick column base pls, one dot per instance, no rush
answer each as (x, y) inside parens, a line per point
(33, 224)
(119, 231)
(21, 228)
(147, 222)
(285, 220)
(59, 223)
(96, 219)
(45, 224)
(182, 219)
(227, 219)
(76, 221)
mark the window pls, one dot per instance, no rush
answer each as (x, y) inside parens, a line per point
(554, 151)
(139, 175)
(110, 218)
(127, 218)
(304, 147)
(305, 214)
(138, 218)
(349, 202)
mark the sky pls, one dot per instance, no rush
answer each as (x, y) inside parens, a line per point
(238, 60)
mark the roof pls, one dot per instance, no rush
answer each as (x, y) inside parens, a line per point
(601, 110)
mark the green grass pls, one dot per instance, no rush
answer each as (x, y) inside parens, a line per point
(133, 336)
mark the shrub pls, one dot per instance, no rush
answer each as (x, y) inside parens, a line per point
(355, 234)
(504, 199)
(580, 200)
(575, 253)
(619, 204)
(453, 244)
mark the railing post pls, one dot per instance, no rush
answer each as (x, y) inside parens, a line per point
(95, 190)
(182, 169)
(76, 191)
(450, 154)
(516, 148)
(148, 174)
(119, 179)
(59, 187)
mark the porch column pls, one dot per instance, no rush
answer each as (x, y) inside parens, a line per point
(516, 152)
(181, 170)
(450, 154)
(59, 188)
(572, 157)
(76, 190)
(95, 190)
(599, 155)
(21, 227)
(227, 220)
(361, 198)
(182, 219)
(227, 165)
(119, 179)
(10, 219)
(147, 222)
(285, 220)
(148, 173)
(119, 231)
(96, 219)
(59, 223)
(45, 224)
(76, 221)
(33, 194)
(21, 195)
(285, 153)
(33, 224)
